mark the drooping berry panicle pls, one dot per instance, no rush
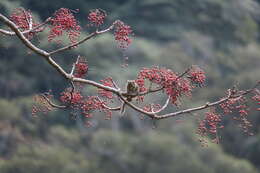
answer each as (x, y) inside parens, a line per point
(122, 34)
(104, 93)
(81, 68)
(93, 103)
(71, 98)
(197, 76)
(210, 125)
(166, 79)
(21, 18)
(97, 17)
(64, 21)
(24, 21)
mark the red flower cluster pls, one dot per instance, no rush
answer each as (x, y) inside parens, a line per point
(81, 68)
(197, 76)
(104, 93)
(73, 98)
(210, 124)
(122, 33)
(93, 103)
(64, 20)
(24, 21)
(239, 106)
(97, 17)
(235, 104)
(21, 18)
(174, 86)
(86, 105)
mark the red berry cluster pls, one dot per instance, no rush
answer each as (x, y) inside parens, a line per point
(64, 20)
(104, 93)
(97, 17)
(238, 106)
(93, 103)
(210, 124)
(24, 21)
(122, 33)
(86, 105)
(173, 85)
(21, 18)
(72, 98)
(197, 76)
(230, 105)
(81, 68)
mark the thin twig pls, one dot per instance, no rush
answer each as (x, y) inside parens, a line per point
(109, 108)
(163, 107)
(33, 29)
(81, 41)
(52, 104)
(73, 44)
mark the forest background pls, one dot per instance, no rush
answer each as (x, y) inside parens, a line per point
(221, 36)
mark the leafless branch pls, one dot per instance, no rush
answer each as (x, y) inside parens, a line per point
(116, 90)
(81, 41)
(109, 108)
(51, 103)
(154, 115)
(33, 29)
(163, 107)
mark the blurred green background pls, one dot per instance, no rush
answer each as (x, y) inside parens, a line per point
(222, 36)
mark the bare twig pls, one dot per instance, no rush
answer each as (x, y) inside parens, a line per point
(74, 44)
(163, 107)
(51, 103)
(33, 29)
(81, 41)
(74, 65)
(28, 18)
(109, 108)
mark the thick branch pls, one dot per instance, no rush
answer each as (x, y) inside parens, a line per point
(22, 37)
(154, 115)
(47, 56)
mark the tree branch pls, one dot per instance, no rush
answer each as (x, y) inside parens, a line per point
(11, 33)
(154, 115)
(52, 104)
(20, 35)
(81, 41)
